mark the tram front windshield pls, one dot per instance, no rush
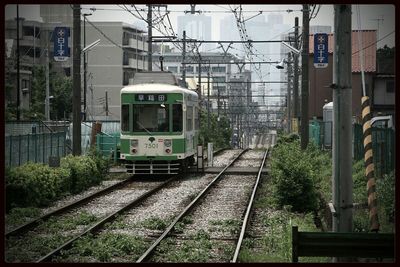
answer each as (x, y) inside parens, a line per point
(151, 118)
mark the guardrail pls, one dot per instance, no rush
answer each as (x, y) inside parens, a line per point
(328, 244)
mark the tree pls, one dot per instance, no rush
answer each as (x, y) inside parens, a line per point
(385, 58)
(61, 104)
(219, 133)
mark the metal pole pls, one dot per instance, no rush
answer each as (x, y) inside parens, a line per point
(18, 82)
(304, 78)
(296, 70)
(183, 57)
(47, 101)
(76, 95)
(106, 103)
(84, 68)
(150, 34)
(208, 100)
(289, 99)
(342, 131)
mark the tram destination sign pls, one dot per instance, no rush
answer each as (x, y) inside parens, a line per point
(151, 97)
(321, 50)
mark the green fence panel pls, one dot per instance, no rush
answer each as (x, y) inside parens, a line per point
(383, 148)
(314, 129)
(19, 149)
(108, 143)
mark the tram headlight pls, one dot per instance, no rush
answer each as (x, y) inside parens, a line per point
(167, 142)
(134, 142)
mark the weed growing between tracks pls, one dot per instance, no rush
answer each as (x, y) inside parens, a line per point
(46, 237)
(196, 248)
(106, 247)
(20, 216)
(274, 242)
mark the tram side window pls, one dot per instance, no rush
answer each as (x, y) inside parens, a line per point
(125, 118)
(177, 118)
(189, 115)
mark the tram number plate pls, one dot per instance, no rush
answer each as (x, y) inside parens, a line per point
(151, 145)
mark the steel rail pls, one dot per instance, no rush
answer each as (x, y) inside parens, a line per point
(151, 249)
(109, 218)
(29, 225)
(247, 215)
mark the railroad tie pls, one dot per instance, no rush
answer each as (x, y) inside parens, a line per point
(369, 164)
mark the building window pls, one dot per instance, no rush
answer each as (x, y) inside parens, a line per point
(389, 86)
(219, 69)
(126, 79)
(173, 69)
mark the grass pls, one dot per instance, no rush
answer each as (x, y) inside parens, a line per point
(47, 236)
(230, 225)
(106, 247)
(275, 243)
(19, 216)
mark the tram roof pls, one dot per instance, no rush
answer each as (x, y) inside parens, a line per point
(156, 88)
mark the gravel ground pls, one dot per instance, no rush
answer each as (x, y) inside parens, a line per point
(224, 202)
(220, 214)
(250, 159)
(225, 157)
(166, 204)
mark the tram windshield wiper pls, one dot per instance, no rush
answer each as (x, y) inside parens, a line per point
(141, 125)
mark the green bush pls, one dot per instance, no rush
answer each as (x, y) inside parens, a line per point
(84, 172)
(34, 184)
(103, 164)
(385, 188)
(294, 178)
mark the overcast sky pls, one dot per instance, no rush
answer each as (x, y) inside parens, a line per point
(371, 15)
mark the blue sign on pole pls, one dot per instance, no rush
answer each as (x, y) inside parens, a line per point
(60, 39)
(321, 50)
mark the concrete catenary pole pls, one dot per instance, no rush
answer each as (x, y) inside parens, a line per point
(342, 183)
(296, 70)
(150, 34)
(289, 97)
(76, 94)
(18, 73)
(304, 78)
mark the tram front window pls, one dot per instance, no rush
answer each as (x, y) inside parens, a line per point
(151, 118)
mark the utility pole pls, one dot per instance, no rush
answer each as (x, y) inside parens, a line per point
(342, 183)
(106, 103)
(199, 82)
(304, 78)
(208, 99)
(18, 85)
(76, 94)
(150, 38)
(289, 98)
(47, 100)
(296, 70)
(183, 58)
(84, 66)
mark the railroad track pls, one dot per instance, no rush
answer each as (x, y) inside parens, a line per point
(145, 257)
(21, 230)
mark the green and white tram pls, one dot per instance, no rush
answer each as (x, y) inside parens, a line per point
(159, 127)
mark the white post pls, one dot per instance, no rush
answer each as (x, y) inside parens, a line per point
(210, 158)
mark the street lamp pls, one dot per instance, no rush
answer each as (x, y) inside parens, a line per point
(84, 65)
(84, 51)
